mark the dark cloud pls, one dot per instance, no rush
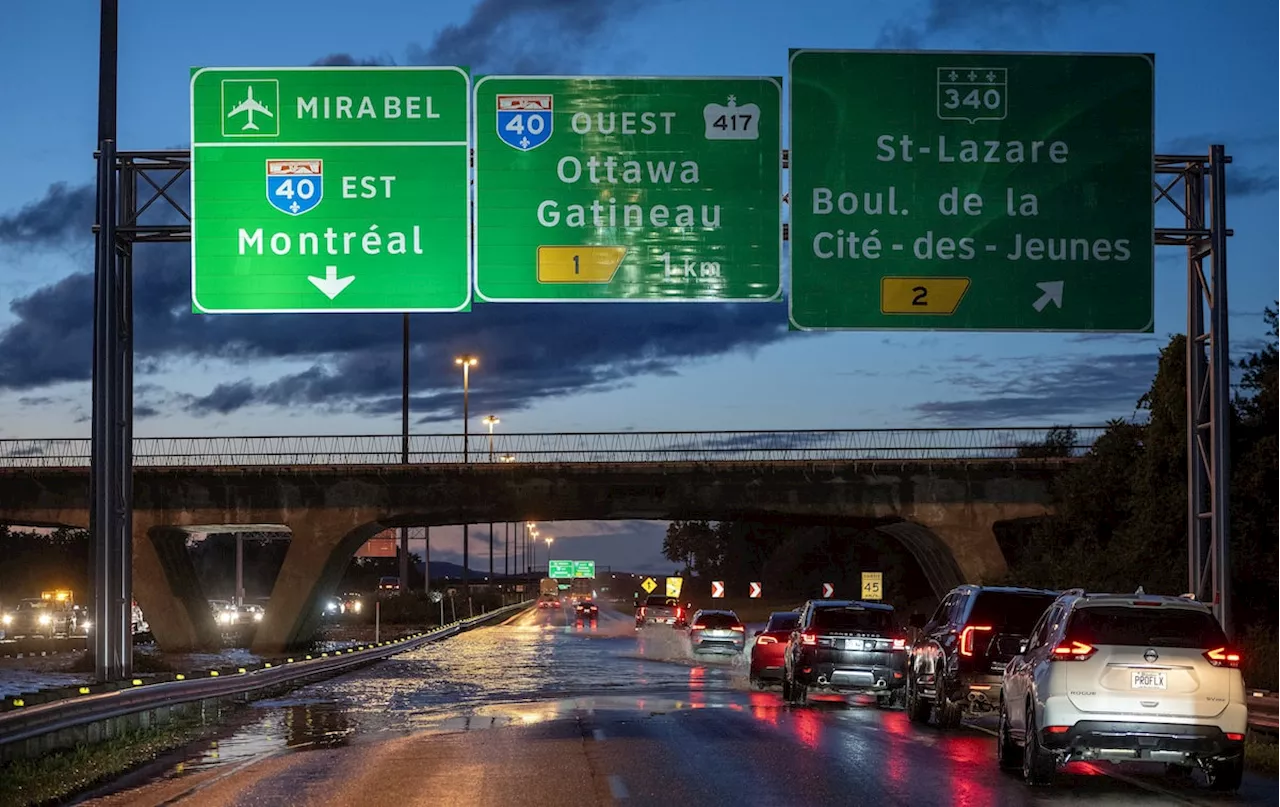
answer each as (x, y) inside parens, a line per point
(65, 213)
(525, 36)
(1197, 144)
(528, 352)
(949, 16)
(1033, 389)
(347, 60)
(1250, 182)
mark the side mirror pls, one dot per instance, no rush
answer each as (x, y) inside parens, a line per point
(757, 633)
(917, 621)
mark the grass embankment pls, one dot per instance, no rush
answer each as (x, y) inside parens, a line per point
(56, 776)
(1261, 755)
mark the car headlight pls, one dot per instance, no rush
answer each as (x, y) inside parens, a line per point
(87, 624)
(356, 607)
(7, 619)
(257, 617)
(225, 617)
(45, 619)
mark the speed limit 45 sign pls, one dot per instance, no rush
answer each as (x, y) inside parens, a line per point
(872, 585)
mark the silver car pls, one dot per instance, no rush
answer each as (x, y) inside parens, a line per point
(716, 632)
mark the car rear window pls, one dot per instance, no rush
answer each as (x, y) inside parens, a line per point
(852, 620)
(782, 622)
(1148, 626)
(718, 620)
(662, 602)
(1009, 612)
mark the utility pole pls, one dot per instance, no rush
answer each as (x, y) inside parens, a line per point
(404, 446)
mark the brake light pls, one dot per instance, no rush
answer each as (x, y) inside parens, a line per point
(1235, 738)
(1221, 657)
(698, 626)
(899, 644)
(966, 638)
(642, 610)
(1073, 651)
(808, 638)
(679, 613)
(766, 640)
(738, 628)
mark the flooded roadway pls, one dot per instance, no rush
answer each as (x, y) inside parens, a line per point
(541, 710)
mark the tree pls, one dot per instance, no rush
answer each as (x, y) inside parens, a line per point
(694, 544)
(1059, 442)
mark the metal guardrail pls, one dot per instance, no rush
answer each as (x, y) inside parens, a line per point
(586, 447)
(20, 722)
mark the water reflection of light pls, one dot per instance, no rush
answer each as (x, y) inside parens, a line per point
(963, 755)
(764, 707)
(808, 727)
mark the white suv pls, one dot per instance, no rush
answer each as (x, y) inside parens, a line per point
(1118, 677)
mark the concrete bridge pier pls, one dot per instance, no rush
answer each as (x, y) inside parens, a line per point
(167, 588)
(324, 542)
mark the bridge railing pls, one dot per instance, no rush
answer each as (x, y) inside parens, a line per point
(587, 447)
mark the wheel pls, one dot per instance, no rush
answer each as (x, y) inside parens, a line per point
(1038, 765)
(917, 707)
(949, 712)
(1008, 753)
(1225, 774)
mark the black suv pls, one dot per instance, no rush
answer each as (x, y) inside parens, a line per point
(845, 646)
(958, 659)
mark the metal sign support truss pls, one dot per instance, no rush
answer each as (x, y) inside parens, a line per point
(1203, 209)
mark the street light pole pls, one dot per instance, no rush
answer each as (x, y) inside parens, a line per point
(491, 421)
(466, 362)
(404, 447)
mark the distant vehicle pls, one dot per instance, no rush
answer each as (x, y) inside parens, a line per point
(51, 614)
(847, 647)
(957, 663)
(659, 610)
(1119, 677)
(586, 609)
(137, 622)
(581, 588)
(240, 616)
(716, 632)
(388, 584)
(351, 603)
(548, 593)
(767, 651)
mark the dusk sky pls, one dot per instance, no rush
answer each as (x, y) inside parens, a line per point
(560, 368)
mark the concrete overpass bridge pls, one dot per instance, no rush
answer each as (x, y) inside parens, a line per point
(938, 491)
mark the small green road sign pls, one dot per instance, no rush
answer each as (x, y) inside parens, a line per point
(584, 568)
(560, 569)
(330, 189)
(658, 189)
(971, 191)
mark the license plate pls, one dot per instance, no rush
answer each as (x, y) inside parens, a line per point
(1149, 679)
(852, 644)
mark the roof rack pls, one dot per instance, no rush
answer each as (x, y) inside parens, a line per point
(1077, 592)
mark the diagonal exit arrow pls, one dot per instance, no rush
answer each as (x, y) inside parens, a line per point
(1052, 294)
(331, 284)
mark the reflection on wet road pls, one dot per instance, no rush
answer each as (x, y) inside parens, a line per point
(541, 710)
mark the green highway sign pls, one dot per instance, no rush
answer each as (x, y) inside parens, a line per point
(665, 189)
(971, 191)
(330, 189)
(584, 568)
(560, 569)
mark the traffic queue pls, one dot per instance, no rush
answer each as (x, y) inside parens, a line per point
(1067, 675)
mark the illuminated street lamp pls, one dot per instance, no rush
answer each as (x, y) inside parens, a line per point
(491, 421)
(507, 458)
(549, 541)
(466, 362)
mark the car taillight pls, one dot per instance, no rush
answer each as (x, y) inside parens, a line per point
(899, 644)
(738, 628)
(642, 610)
(698, 626)
(966, 638)
(766, 640)
(679, 613)
(1073, 651)
(808, 638)
(1222, 657)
